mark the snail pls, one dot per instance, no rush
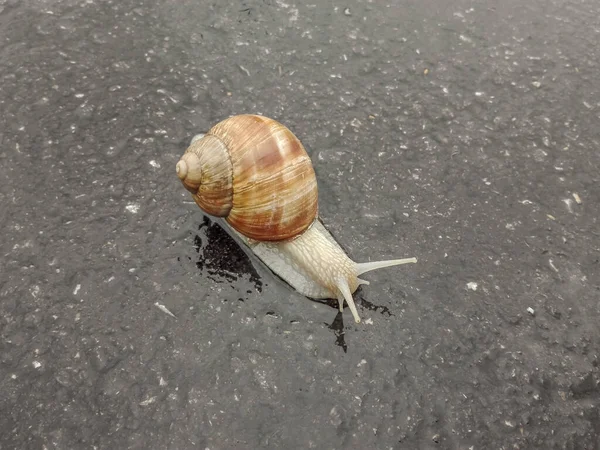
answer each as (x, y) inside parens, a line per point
(255, 173)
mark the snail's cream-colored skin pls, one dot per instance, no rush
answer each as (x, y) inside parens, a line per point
(296, 246)
(316, 266)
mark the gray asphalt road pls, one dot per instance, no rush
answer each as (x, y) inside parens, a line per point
(463, 133)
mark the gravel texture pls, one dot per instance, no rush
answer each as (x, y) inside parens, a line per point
(464, 133)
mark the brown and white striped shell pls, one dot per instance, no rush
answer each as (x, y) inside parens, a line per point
(254, 172)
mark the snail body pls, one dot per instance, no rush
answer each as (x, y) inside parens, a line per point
(253, 172)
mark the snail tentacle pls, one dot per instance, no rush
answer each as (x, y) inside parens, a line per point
(342, 285)
(374, 265)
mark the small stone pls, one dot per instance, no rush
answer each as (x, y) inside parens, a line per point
(148, 401)
(531, 311)
(133, 208)
(355, 123)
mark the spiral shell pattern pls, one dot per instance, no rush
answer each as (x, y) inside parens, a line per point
(254, 172)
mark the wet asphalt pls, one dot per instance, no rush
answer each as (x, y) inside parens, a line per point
(464, 133)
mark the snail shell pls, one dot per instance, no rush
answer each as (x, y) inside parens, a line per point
(253, 172)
